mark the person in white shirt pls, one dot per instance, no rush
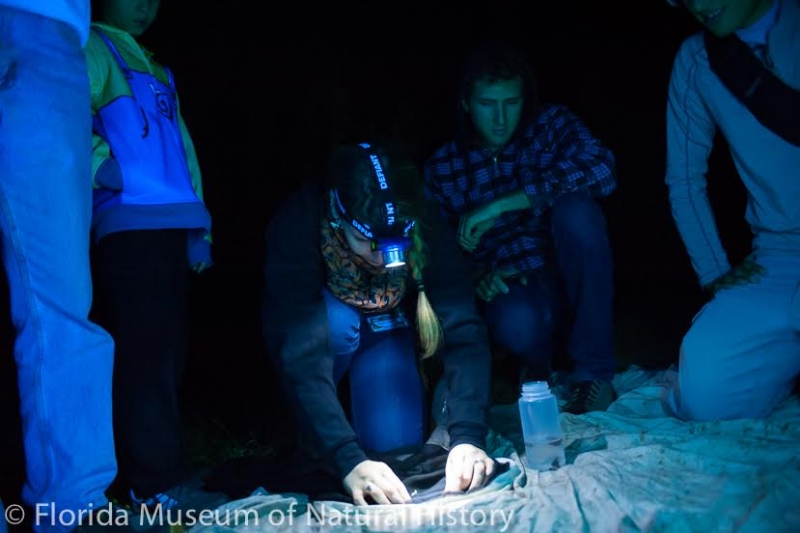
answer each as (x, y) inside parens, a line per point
(741, 355)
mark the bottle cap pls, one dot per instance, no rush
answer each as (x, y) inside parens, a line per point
(535, 389)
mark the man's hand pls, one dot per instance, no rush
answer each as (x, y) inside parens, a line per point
(493, 283)
(748, 271)
(376, 480)
(468, 468)
(474, 224)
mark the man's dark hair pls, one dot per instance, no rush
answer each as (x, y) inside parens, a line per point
(494, 60)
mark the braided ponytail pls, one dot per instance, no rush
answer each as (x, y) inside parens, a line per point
(430, 330)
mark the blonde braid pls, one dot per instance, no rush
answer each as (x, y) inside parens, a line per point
(430, 330)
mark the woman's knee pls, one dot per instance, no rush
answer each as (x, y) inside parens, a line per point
(391, 358)
(386, 395)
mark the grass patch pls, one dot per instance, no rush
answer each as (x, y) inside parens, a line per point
(208, 442)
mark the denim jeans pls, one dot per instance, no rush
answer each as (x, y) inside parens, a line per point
(64, 361)
(573, 298)
(385, 387)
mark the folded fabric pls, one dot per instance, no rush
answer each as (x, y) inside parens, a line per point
(423, 474)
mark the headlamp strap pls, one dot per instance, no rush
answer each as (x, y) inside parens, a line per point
(388, 201)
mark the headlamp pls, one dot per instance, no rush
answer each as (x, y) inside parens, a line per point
(393, 250)
(392, 235)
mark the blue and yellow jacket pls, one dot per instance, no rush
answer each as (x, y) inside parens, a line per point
(145, 171)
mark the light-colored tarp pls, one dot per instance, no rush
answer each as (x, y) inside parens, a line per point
(631, 468)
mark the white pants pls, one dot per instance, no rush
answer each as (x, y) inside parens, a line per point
(742, 354)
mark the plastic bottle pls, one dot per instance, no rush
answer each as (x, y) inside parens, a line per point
(541, 427)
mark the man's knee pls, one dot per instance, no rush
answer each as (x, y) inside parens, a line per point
(579, 216)
(521, 327)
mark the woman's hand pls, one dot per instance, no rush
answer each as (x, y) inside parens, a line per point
(468, 468)
(376, 480)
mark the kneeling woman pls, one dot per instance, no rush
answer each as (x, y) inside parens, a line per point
(344, 262)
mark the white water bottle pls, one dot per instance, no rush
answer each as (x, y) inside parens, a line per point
(541, 427)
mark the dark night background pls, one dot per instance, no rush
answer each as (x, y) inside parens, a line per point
(266, 89)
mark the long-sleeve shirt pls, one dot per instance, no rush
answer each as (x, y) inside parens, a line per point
(698, 106)
(296, 332)
(555, 154)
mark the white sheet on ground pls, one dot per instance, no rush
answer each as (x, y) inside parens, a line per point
(631, 468)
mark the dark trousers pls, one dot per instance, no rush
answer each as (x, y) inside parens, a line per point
(142, 285)
(573, 298)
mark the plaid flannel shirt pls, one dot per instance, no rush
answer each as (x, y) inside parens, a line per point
(555, 154)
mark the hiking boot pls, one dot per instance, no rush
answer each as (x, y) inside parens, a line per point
(588, 396)
(560, 387)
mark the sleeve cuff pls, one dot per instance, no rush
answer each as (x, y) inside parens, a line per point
(709, 277)
(347, 457)
(468, 433)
